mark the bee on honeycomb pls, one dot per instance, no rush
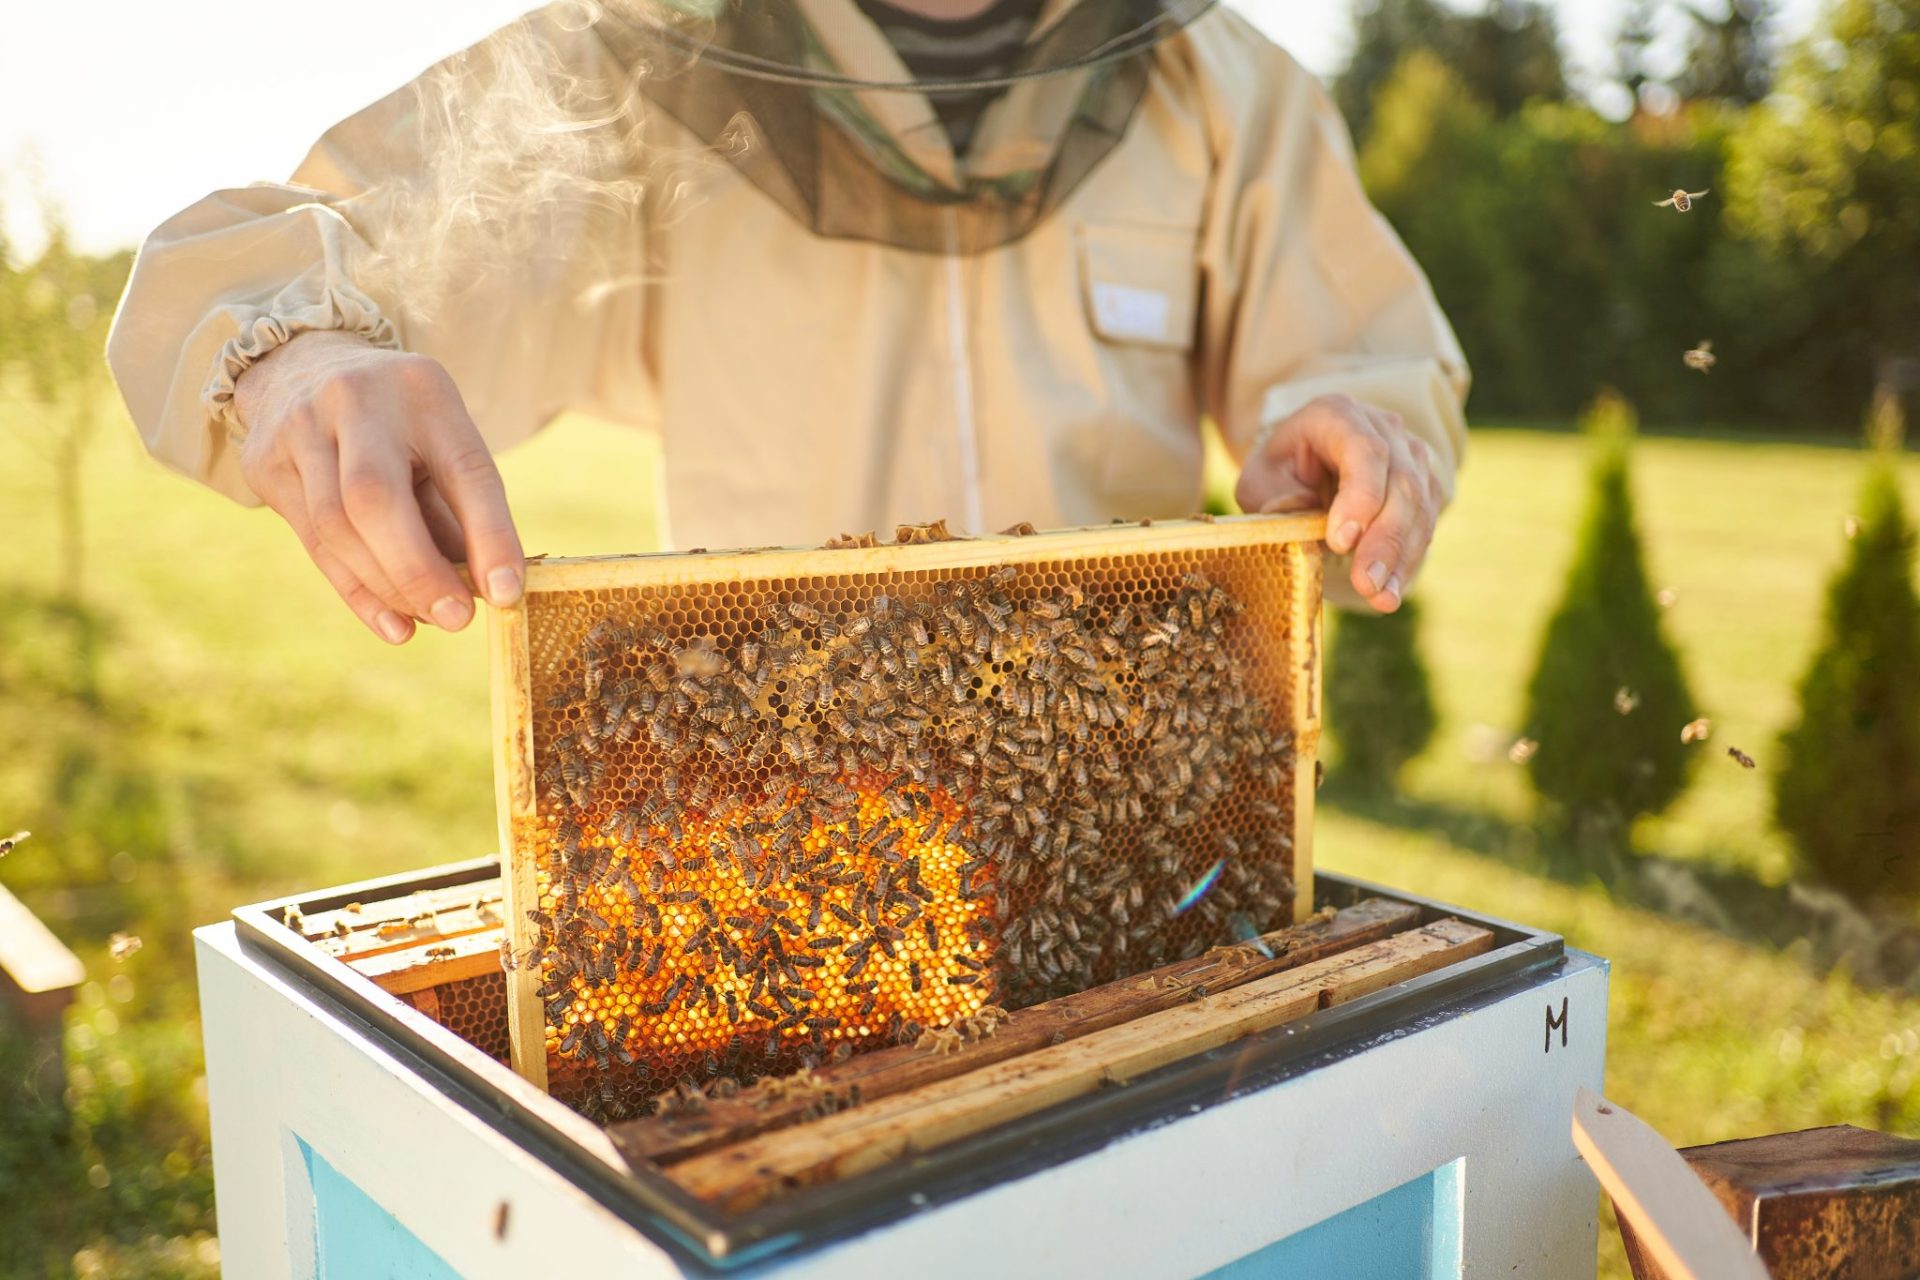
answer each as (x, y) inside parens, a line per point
(815, 822)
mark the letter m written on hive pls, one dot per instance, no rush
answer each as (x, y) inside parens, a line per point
(1556, 1022)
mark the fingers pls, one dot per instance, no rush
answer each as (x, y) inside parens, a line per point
(316, 462)
(463, 472)
(1394, 546)
(286, 496)
(377, 492)
(1347, 439)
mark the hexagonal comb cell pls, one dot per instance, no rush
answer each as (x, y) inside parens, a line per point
(769, 809)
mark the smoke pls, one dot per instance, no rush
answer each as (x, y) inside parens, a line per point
(527, 159)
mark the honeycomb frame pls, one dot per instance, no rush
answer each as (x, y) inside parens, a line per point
(710, 599)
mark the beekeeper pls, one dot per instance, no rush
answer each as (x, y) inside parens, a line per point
(856, 262)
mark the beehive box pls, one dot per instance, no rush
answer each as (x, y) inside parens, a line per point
(763, 810)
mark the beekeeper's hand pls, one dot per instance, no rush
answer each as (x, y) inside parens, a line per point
(1380, 483)
(370, 455)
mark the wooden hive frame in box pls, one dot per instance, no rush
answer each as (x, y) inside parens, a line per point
(763, 809)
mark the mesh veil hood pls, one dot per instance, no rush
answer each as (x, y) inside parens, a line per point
(807, 100)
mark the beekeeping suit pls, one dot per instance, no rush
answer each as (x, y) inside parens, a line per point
(759, 243)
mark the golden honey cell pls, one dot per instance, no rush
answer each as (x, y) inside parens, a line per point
(778, 819)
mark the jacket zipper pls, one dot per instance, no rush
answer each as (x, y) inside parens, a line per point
(960, 360)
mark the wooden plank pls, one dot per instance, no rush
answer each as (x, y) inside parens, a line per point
(31, 957)
(514, 800)
(1307, 565)
(403, 923)
(444, 900)
(1833, 1201)
(738, 1177)
(590, 573)
(473, 955)
(1676, 1220)
(774, 1104)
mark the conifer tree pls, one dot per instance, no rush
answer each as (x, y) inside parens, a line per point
(1379, 702)
(1608, 696)
(1848, 790)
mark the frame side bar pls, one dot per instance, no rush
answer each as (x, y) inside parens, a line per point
(514, 800)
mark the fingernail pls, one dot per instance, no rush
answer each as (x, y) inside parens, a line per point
(503, 587)
(1377, 575)
(1344, 537)
(450, 613)
(392, 627)
(1393, 590)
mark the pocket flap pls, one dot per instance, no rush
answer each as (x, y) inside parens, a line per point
(1139, 283)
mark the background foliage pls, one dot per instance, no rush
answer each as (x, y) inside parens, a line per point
(188, 720)
(1533, 212)
(1608, 695)
(1379, 698)
(1847, 786)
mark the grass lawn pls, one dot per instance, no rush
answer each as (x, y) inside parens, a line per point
(236, 734)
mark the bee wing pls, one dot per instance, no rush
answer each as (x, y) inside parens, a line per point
(1695, 195)
(1663, 204)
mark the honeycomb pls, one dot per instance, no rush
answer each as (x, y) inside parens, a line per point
(475, 1009)
(782, 819)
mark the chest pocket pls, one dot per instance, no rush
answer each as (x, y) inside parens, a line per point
(1139, 283)
(1140, 287)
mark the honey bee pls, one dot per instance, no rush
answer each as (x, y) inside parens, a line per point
(698, 662)
(1625, 700)
(1521, 751)
(432, 953)
(1745, 761)
(123, 945)
(1696, 730)
(1701, 359)
(502, 1214)
(294, 920)
(1680, 201)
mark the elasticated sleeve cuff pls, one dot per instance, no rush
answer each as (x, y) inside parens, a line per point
(340, 307)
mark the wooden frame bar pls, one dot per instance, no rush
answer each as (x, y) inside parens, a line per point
(514, 796)
(746, 1174)
(878, 1074)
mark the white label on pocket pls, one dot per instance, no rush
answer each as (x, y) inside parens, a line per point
(1127, 312)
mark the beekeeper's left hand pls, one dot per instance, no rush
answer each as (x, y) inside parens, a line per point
(1381, 485)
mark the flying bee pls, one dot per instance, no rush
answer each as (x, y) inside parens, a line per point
(1625, 700)
(1696, 730)
(123, 945)
(1522, 750)
(1701, 358)
(1680, 201)
(1746, 761)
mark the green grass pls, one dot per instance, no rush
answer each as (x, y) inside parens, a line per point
(238, 735)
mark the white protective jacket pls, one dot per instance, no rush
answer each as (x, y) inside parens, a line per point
(1221, 261)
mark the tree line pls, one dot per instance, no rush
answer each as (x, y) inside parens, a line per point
(1612, 731)
(1532, 211)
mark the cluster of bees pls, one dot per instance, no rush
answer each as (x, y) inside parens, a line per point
(853, 823)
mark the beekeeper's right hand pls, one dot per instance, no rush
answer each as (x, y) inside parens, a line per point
(372, 458)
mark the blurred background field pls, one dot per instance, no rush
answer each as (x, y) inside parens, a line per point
(189, 720)
(245, 738)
